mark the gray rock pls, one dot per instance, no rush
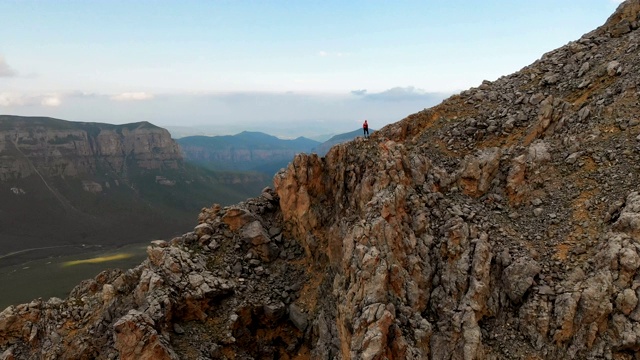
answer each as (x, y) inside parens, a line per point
(613, 68)
(626, 301)
(539, 152)
(571, 159)
(274, 230)
(195, 280)
(255, 234)
(8, 355)
(159, 243)
(545, 290)
(178, 329)
(274, 311)
(536, 99)
(583, 69)
(203, 229)
(621, 28)
(518, 277)
(584, 113)
(298, 317)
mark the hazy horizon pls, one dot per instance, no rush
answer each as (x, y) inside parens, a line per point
(286, 69)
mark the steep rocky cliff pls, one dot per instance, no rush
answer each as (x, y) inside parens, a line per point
(55, 147)
(502, 224)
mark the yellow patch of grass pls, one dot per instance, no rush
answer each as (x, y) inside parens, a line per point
(97, 260)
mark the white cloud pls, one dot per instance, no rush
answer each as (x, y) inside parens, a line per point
(408, 93)
(132, 96)
(51, 100)
(5, 69)
(323, 53)
(12, 99)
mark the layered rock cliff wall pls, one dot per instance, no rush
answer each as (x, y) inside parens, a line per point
(57, 148)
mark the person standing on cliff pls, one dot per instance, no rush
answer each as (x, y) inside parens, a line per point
(365, 129)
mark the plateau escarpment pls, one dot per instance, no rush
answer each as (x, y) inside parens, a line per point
(90, 183)
(60, 148)
(503, 223)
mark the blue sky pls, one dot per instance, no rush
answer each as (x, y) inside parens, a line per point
(284, 67)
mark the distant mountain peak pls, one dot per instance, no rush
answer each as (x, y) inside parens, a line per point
(246, 151)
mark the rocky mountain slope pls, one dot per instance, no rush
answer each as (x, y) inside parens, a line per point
(64, 184)
(502, 224)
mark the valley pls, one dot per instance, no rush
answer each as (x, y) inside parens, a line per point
(51, 276)
(69, 190)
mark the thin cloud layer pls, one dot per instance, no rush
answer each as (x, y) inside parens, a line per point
(132, 96)
(5, 69)
(287, 114)
(398, 93)
(323, 53)
(12, 99)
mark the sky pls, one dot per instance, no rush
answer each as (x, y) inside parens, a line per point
(288, 68)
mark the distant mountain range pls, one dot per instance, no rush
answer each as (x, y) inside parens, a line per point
(246, 151)
(68, 183)
(178, 132)
(253, 151)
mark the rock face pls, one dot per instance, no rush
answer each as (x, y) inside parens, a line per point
(502, 224)
(54, 147)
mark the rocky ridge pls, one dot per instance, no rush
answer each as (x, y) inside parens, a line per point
(502, 224)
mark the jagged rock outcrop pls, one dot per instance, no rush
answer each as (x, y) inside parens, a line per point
(503, 223)
(163, 308)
